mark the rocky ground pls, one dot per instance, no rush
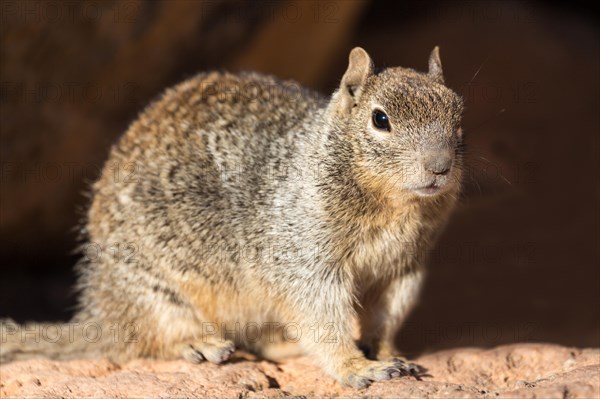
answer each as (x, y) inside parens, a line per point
(514, 371)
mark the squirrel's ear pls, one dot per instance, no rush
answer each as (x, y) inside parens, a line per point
(435, 66)
(360, 67)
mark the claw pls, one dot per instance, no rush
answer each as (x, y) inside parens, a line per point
(395, 373)
(410, 369)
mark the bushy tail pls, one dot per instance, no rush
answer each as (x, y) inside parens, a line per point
(60, 341)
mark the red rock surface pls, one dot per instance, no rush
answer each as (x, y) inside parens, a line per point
(514, 371)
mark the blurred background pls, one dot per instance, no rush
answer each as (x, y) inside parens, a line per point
(519, 261)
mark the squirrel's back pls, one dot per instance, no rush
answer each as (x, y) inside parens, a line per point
(231, 116)
(216, 144)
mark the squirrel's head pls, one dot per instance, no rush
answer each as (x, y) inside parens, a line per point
(402, 127)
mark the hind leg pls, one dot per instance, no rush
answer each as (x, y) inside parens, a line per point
(150, 319)
(183, 337)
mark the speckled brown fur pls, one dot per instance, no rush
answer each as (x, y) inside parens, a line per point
(224, 167)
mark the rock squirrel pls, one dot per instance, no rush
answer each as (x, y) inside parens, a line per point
(243, 211)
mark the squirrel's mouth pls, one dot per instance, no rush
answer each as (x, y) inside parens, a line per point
(428, 191)
(432, 186)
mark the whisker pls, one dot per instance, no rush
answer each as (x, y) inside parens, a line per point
(476, 73)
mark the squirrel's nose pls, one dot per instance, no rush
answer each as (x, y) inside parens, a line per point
(438, 163)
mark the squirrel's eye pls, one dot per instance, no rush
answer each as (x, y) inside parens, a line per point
(381, 120)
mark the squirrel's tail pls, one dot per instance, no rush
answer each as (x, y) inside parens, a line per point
(61, 341)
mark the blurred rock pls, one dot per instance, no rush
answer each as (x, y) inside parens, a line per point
(73, 75)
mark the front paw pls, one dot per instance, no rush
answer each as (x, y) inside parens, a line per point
(406, 367)
(360, 373)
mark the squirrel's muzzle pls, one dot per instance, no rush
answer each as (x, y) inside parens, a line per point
(437, 162)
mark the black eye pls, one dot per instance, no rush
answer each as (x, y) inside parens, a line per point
(381, 120)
